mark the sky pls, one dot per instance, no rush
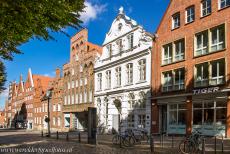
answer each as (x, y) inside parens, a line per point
(43, 57)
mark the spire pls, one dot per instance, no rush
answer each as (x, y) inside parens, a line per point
(121, 10)
(30, 77)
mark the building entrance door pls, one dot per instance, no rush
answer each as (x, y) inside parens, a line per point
(163, 118)
(116, 122)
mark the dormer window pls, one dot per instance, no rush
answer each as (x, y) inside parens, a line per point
(119, 43)
(119, 26)
(109, 49)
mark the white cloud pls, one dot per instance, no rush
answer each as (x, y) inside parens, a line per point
(91, 12)
(52, 74)
(3, 97)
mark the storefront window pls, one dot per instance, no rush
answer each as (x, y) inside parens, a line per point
(177, 114)
(207, 113)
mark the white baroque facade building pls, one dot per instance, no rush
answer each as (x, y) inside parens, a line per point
(122, 77)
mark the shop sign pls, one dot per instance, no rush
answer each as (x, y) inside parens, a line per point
(206, 90)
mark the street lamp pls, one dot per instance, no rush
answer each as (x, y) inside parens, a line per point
(47, 97)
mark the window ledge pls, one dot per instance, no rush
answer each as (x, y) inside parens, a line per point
(220, 9)
(98, 90)
(117, 87)
(221, 84)
(173, 91)
(205, 15)
(173, 62)
(141, 81)
(108, 89)
(187, 23)
(209, 53)
(129, 84)
(175, 28)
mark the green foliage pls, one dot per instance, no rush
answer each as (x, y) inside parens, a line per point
(2, 76)
(21, 20)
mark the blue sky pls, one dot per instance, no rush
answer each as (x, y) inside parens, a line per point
(44, 56)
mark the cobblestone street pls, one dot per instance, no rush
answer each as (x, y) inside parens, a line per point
(21, 141)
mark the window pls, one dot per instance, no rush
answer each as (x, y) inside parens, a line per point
(72, 84)
(118, 76)
(54, 120)
(179, 79)
(81, 81)
(131, 100)
(129, 68)
(206, 7)
(179, 50)
(167, 81)
(109, 49)
(85, 96)
(208, 112)
(76, 98)
(224, 3)
(59, 107)
(76, 83)
(76, 57)
(108, 79)
(217, 38)
(90, 96)
(131, 120)
(72, 99)
(177, 114)
(81, 98)
(202, 73)
(142, 70)
(99, 81)
(176, 20)
(141, 121)
(218, 72)
(201, 43)
(72, 71)
(130, 41)
(119, 43)
(59, 121)
(167, 54)
(54, 107)
(173, 80)
(68, 99)
(68, 85)
(85, 80)
(190, 14)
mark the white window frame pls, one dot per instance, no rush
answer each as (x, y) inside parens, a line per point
(219, 79)
(118, 76)
(176, 20)
(167, 77)
(219, 43)
(206, 7)
(204, 49)
(108, 79)
(181, 53)
(142, 69)
(181, 81)
(202, 80)
(190, 14)
(99, 81)
(129, 69)
(166, 49)
(130, 41)
(226, 3)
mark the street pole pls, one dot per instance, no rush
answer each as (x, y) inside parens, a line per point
(48, 116)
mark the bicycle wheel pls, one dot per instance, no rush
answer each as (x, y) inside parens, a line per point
(185, 147)
(116, 139)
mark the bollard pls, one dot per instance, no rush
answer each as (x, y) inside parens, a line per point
(215, 145)
(79, 137)
(162, 140)
(222, 144)
(120, 141)
(42, 133)
(152, 143)
(203, 146)
(67, 136)
(57, 135)
(172, 141)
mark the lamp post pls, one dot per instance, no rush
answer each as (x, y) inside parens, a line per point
(47, 97)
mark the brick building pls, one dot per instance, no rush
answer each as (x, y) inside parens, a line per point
(2, 119)
(55, 104)
(21, 100)
(190, 69)
(79, 81)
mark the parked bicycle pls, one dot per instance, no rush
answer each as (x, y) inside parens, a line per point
(121, 138)
(192, 144)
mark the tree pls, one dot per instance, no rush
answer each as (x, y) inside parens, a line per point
(2, 76)
(21, 20)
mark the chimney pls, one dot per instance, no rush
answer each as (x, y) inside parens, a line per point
(58, 73)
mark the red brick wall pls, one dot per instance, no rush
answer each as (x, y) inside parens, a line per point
(166, 35)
